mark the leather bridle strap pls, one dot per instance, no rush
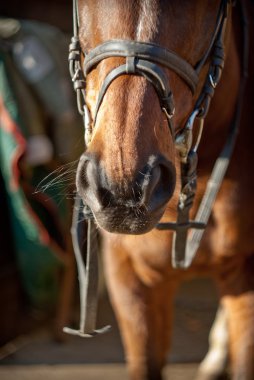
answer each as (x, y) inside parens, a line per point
(153, 73)
(185, 246)
(143, 58)
(87, 273)
(146, 52)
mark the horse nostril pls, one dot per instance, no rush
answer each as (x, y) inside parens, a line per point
(158, 184)
(84, 172)
(87, 181)
(168, 179)
(152, 188)
(150, 183)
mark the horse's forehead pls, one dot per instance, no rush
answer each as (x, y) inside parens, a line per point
(127, 19)
(167, 22)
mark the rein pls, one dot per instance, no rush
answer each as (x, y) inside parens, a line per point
(143, 59)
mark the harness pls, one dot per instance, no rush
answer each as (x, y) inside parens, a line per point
(149, 60)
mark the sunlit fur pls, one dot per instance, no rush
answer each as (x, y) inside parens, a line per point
(130, 128)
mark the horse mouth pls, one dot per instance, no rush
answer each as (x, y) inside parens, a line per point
(132, 221)
(129, 206)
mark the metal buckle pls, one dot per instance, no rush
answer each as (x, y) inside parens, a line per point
(213, 83)
(87, 125)
(184, 141)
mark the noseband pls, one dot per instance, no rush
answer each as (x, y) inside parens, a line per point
(149, 61)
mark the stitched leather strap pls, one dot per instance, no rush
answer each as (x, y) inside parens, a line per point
(152, 73)
(145, 51)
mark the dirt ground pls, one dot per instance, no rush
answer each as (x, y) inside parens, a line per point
(88, 372)
(38, 355)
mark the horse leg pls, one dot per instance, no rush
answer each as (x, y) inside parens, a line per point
(238, 301)
(240, 311)
(214, 364)
(144, 316)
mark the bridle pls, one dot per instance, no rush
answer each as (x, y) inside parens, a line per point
(147, 59)
(150, 60)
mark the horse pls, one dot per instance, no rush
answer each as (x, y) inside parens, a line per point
(140, 63)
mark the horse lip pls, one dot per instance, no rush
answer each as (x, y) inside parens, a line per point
(127, 223)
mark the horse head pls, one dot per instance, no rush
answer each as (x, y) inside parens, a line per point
(127, 175)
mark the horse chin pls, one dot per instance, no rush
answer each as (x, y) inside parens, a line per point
(127, 221)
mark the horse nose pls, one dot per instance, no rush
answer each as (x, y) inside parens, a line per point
(151, 188)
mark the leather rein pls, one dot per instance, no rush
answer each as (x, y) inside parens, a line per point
(147, 59)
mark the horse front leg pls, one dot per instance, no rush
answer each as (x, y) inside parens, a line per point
(238, 301)
(143, 313)
(240, 311)
(214, 365)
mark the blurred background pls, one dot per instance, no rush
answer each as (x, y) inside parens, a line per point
(41, 138)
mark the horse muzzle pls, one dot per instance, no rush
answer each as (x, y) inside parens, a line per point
(130, 206)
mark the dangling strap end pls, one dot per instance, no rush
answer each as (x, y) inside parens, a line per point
(81, 334)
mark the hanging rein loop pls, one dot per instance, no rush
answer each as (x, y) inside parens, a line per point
(87, 267)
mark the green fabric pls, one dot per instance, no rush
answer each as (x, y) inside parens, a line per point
(38, 263)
